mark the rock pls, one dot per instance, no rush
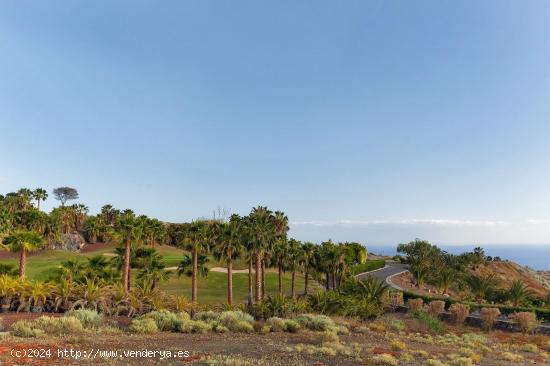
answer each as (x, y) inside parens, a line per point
(72, 241)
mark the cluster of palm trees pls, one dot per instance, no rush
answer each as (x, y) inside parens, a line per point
(259, 238)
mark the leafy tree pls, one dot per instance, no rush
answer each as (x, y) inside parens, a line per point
(64, 194)
(24, 241)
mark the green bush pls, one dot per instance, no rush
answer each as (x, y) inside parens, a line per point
(207, 316)
(144, 326)
(315, 322)
(232, 320)
(58, 326)
(24, 328)
(167, 320)
(88, 318)
(276, 324)
(193, 326)
(368, 266)
(430, 321)
(242, 327)
(292, 326)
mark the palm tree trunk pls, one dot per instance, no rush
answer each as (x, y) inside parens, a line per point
(258, 264)
(38, 204)
(293, 288)
(306, 280)
(194, 275)
(229, 278)
(334, 281)
(250, 280)
(327, 282)
(22, 263)
(126, 274)
(280, 279)
(263, 277)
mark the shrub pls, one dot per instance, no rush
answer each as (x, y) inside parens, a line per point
(88, 318)
(377, 327)
(242, 327)
(433, 362)
(167, 320)
(397, 345)
(385, 359)
(529, 347)
(231, 320)
(58, 326)
(207, 316)
(415, 305)
(462, 361)
(459, 313)
(144, 326)
(436, 307)
(397, 325)
(489, 317)
(315, 322)
(24, 328)
(194, 326)
(276, 324)
(292, 326)
(329, 337)
(429, 320)
(527, 322)
(218, 328)
(512, 357)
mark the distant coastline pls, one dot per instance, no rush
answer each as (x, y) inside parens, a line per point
(535, 256)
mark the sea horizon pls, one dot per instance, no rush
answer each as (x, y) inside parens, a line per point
(535, 256)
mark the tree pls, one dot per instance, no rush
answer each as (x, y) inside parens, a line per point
(193, 237)
(482, 286)
(279, 258)
(261, 226)
(64, 194)
(39, 194)
(518, 293)
(295, 256)
(229, 245)
(24, 241)
(129, 232)
(309, 249)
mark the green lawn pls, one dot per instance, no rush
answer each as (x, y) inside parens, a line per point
(210, 290)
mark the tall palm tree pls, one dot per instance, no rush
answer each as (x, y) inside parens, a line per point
(295, 256)
(308, 250)
(194, 238)
(24, 241)
(26, 196)
(279, 258)
(280, 230)
(39, 194)
(262, 232)
(229, 245)
(129, 231)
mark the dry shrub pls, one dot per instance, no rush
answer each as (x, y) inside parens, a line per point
(415, 305)
(489, 317)
(396, 299)
(527, 322)
(459, 313)
(436, 307)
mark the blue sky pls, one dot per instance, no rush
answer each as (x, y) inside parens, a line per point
(373, 121)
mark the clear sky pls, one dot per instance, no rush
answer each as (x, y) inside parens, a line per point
(375, 121)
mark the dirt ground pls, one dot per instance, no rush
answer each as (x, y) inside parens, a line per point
(360, 347)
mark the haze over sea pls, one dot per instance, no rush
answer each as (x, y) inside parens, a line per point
(536, 256)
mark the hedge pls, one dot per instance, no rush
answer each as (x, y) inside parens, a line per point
(542, 314)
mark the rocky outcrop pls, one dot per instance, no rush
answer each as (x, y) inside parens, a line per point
(73, 241)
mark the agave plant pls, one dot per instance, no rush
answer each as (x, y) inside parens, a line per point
(8, 288)
(40, 291)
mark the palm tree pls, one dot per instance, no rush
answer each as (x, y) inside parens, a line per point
(229, 245)
(482, 286)
(26, 196)
(444, 279)
(129, 232)
(309, 249)
(187, 264)
(518, 293)
(295, 256)
(24, 241)
(262, 232)
(194, 238)
(280, 230)
(39, 194)
(280, 259)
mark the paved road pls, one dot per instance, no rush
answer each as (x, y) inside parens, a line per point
(383, 273)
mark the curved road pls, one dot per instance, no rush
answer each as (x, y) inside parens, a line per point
(389, 270)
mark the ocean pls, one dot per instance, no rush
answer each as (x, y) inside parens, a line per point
(535, 256)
